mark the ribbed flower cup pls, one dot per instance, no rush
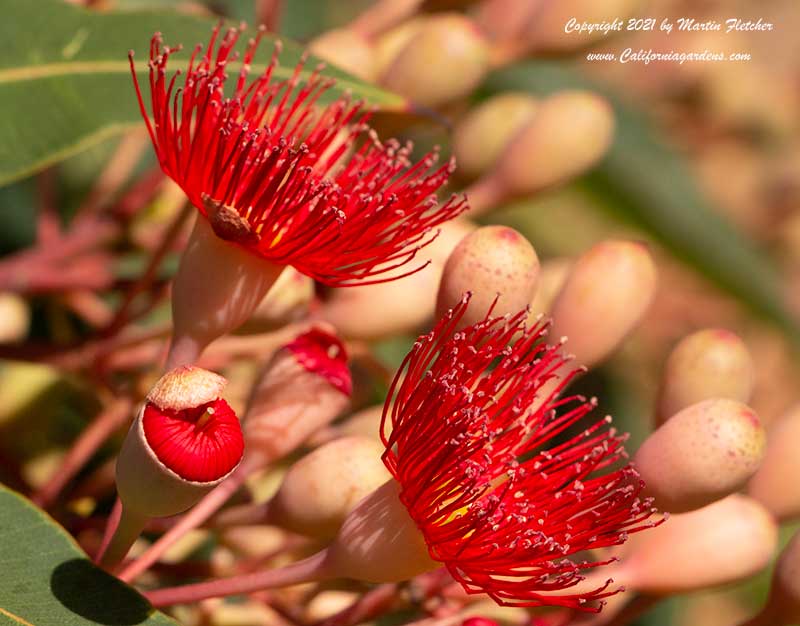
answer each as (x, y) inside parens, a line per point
(279, 179)
(508, 492)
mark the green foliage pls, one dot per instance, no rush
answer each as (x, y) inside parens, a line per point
(645, 183)
(47, 579)
(65, 80)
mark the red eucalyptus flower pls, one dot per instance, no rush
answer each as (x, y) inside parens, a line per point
(267, 165)
(496, 477)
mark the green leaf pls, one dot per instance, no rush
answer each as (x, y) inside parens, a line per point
(65, 82)
(646, 183)
(47, 580)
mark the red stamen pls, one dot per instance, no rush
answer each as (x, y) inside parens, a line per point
(495, 475)
(272, 153)
(202, 444)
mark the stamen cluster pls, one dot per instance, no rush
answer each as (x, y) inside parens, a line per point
(504, 478)
(290, 179)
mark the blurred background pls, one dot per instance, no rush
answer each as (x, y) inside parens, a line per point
(702, 164)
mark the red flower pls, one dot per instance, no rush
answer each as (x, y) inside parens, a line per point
(492, 472)
(269, 166)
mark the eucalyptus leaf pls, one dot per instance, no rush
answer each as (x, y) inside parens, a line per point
(46, 580)
(646, 183)
(65, 81)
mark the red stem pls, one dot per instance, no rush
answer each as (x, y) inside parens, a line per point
(84, 447)
(313, 569)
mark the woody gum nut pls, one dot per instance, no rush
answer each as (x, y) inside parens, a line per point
(492, 260)
(773, 484)
(568, 134)
(348, 50)
(722, 543)
(443, 60)
(702, 454)
(321, 489)
(480, 137)
(547, 30)
(217, 287)
(605, 296)
(401, 306)
(711, 363)
(379, 542)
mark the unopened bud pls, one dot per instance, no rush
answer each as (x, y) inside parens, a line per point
(364, 423)
(328, 603)
(568, 134)
(493, 260)
(552, 276)
(320, 490)
(711, 363)
(481, 136)
(783, 604)
(184, 441)
(443, 60)
(304, 387)
(216, 289)
(704, 453)
(15, 318)
(722, 543)
(773, 484)
(401, 306)
(347, 49)
(605, 296)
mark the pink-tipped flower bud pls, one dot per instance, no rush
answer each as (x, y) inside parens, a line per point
(286, 302)
(773, 484)
(605, 296)
(402, 306)
(304, 387)
(320, 490)
(481, 136)
(347, 49)
(567, 135)
(490, 261)
(722, 543)
(216, 289)
(184, 441)
(443, 60)
(702, 454)
(711, 363)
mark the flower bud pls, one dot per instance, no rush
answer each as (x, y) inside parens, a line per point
(443, 60)
(711, 363)
(568, 134)
(702, 454)
(184, 441)
(287, 301)
(772, 484)
(217, 287)
(390, 43)
(490, 261)
(320, 490)
(15, 318)
(379, 542)
(328, 603)
(606, 294)
(304, 387)
(364, 423)
(402, 306)
(722, 543)
(481, 136)
(552, 276)
(348, 50)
